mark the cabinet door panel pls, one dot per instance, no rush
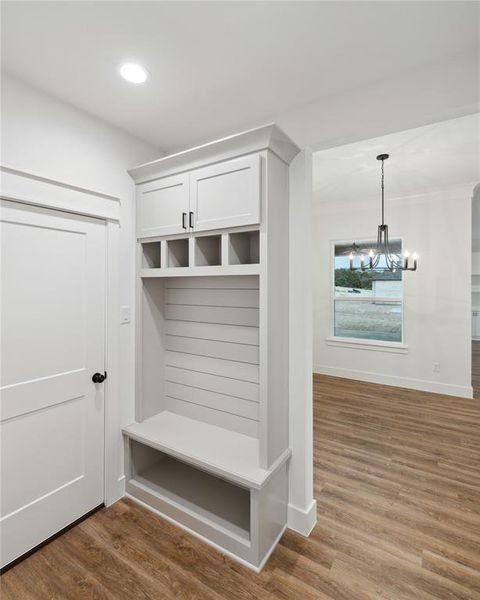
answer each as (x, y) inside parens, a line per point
(160, 205)
(226, 194)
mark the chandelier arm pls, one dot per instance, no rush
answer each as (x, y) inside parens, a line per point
(387, 241)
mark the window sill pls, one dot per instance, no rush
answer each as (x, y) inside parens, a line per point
(375, 345)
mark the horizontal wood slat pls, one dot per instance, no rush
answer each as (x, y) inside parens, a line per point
(215, 366)
(214, 383)
(213, 349)
(213, 297)
(213, 331)
(214, 417)
(213, 314)
(230, 404)
(238, 282)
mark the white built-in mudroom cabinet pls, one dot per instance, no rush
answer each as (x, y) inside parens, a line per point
(209, 448)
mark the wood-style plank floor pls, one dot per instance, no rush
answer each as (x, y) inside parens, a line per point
(397, 479)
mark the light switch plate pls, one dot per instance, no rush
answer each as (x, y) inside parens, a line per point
(125, 314)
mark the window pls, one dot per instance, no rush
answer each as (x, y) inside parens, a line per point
(367, 304)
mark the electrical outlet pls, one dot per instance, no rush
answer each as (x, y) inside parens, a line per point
(436, 367)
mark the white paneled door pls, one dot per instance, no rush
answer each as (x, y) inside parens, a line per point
(53, 341)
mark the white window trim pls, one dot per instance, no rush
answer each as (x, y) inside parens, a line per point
(361, 343)
(365, 344)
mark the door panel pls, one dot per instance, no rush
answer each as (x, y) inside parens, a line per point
(53, 331)
(160, 205)
(50, 465)
(226, 194)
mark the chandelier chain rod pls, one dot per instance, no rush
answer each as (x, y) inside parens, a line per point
(383, 192)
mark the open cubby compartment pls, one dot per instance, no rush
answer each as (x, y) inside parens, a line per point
(177, 253)
(210, 499)
(208, 250)
(244, 248)
(151, 255)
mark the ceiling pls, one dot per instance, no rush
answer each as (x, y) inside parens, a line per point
(327, 72)
(426, 159)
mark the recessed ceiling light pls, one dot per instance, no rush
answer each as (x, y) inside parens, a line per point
(134, 73)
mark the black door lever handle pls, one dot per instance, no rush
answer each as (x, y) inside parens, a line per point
(99, 378)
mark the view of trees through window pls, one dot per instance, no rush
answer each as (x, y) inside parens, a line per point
(368, 304)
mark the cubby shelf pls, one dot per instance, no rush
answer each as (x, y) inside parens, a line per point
(198, 444)
(234, 253)
(151, 255)
(177, 253)
(202, 271)
(244, 248)
(208, 250)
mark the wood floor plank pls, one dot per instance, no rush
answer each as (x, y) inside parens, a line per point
(397, 481)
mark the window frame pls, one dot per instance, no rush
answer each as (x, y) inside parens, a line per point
(363, 343)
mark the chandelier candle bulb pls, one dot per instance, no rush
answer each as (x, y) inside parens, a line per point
(370, 256)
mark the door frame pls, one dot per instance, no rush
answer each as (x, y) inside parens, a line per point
(32, 189)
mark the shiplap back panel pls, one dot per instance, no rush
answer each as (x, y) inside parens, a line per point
(212, 350)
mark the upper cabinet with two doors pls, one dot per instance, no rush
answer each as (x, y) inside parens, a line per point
(221, 195)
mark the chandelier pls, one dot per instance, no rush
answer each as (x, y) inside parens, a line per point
(380, 257)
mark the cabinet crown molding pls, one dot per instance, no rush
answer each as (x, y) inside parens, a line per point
(269, 137)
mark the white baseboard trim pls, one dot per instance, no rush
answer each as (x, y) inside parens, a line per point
(422, 385)
(115, 492)
(302, 521)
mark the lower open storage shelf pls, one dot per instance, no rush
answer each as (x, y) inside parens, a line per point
(218, 503)
(221, 496)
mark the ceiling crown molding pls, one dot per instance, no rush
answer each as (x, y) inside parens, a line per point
(270, 137)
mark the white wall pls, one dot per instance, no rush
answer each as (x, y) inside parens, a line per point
(46, 137)
(302, 507)
(437, 224)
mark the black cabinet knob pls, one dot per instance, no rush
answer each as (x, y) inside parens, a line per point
(98, 377)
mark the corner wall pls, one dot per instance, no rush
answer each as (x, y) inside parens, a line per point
(43, 136)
